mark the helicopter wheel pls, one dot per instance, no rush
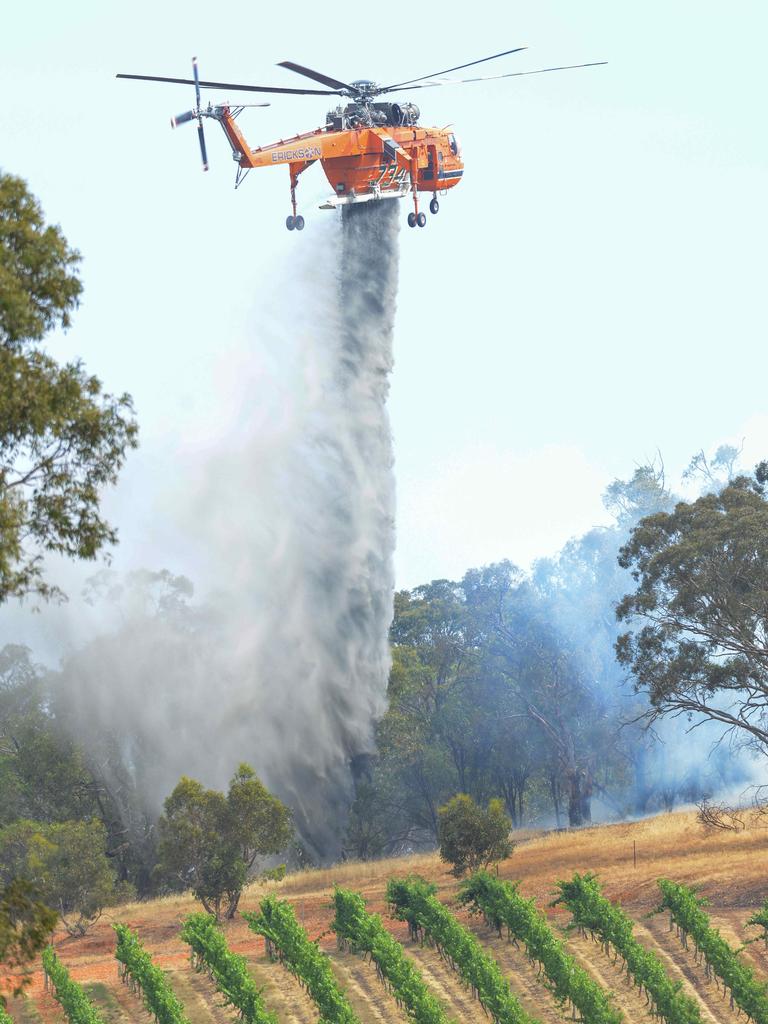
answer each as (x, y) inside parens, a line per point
(434, 206)
(421, 220)
(411, 220)
(290, 223)
(298, 223)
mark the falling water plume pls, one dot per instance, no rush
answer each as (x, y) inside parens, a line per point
(285, 664)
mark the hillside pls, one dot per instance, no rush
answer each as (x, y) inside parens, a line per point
(729, 868)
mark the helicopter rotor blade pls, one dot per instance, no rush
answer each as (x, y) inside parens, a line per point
(316, 76)
(233, 87)
(201, 137)
(460, 67)
(200, 131)
(188, 115)
(491, 78)
(197, 82)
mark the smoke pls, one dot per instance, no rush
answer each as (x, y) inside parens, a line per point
(285, 662)
(676, 760)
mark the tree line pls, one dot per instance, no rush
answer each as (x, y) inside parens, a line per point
(577, 681)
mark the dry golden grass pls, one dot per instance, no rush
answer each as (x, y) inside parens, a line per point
(355, 873)
(729, 867)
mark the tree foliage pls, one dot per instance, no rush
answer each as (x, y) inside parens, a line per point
(506, 683)
(699, 612)
(39, 287)
(47, 777)
(471, 838)
(501, 684)
(66, 864)
(43, 774)
(209, 841)
(62, 438)
(26, 925)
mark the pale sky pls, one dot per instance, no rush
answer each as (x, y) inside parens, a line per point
(593, 291)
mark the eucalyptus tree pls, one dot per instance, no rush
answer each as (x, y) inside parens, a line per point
(62, 438)
(698, 614)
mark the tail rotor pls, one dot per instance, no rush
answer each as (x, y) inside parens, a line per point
(191, 115)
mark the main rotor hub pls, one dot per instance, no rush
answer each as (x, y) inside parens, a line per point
(365, 88)
(362, 112)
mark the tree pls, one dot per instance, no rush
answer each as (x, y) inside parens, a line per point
(62, 439)
(26, 925)
(644, 493)
(209, 842)
(124, 727)
(43, 774)
(551, 682)
(66, 864)
(699, 642)
(716, 472)
(471, 838)
(397, 796)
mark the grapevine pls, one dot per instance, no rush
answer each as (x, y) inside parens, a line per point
(138, 971)
(720, 960)
(760, 920)
(609, 925)
(228, 970)
(361, 932)
(70, 996)
(287, 941)
(413, 900)
(502, 905)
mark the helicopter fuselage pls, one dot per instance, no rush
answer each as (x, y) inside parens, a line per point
(365, 162)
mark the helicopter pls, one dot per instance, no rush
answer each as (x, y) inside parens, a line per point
(370, 149)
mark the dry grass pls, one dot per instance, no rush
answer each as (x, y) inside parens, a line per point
(728, 866)
(356, 873)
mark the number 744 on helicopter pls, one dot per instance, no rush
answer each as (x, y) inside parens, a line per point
(370, 149)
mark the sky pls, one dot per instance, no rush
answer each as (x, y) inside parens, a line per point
(592, 294)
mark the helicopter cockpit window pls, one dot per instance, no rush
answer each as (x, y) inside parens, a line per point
(453, 144)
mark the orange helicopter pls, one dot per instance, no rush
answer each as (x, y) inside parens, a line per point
(369, 150)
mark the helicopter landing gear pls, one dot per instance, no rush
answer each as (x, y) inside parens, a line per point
(434, 206)
(415, 217)
(295, 221)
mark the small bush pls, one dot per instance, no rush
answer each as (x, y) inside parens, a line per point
(471, 838)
